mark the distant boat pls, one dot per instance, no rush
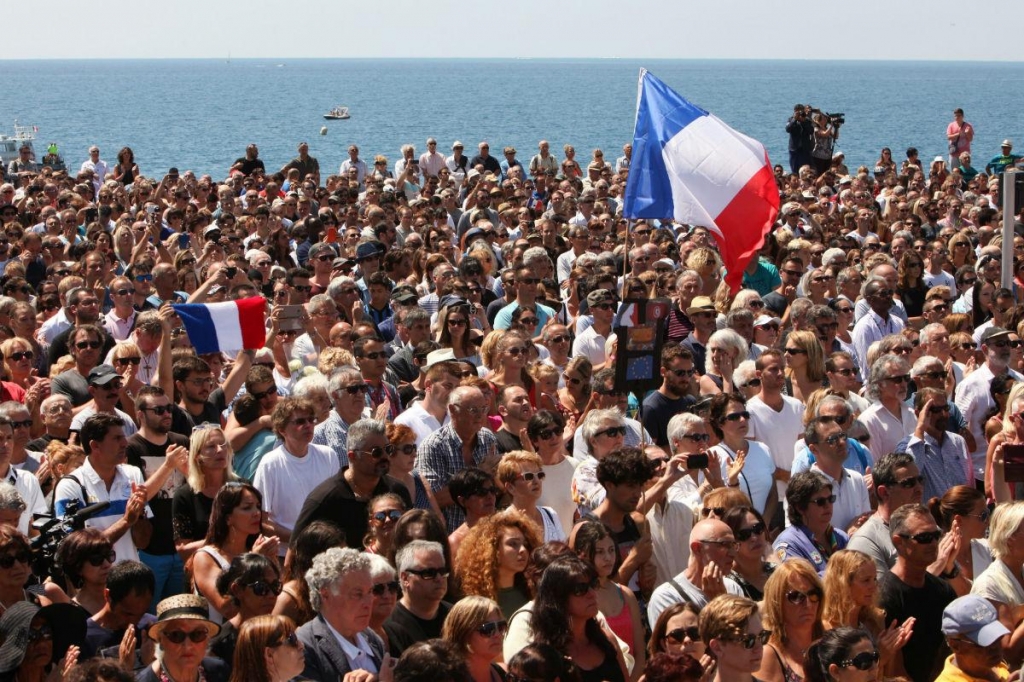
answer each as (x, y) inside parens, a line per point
(337, 113)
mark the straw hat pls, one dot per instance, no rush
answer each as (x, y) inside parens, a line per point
(182, 607)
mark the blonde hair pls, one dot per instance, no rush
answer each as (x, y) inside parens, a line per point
(726, 616)
(196, 477)
(62, 365)
(815, 357)
(840, 571)
(775, 595)
(1006, 519)
(488, 347)
(332, 358)
(508, 467)
(465, 617)
(1016, 393)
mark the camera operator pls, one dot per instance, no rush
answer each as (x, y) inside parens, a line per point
(801, 138)
(826, 132)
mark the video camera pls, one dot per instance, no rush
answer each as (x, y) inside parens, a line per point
(835, 119)
(53, 530)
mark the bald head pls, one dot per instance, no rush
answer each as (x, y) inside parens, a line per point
(709, 529)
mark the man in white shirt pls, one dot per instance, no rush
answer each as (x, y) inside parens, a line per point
(888, 419)
(591, 342)
(431, 161)
(96, 166)
(974, 394)
(121, 318)
(287, 474)
(934, 275)
(877, 323)
(105, 387)
(827, 442)
(579, 237)
(775, 419)
(353, 161)
(430, 414)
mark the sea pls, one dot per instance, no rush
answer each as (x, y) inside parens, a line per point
(201, 114)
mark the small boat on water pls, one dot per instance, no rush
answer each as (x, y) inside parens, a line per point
(337, 113)
(24, 136)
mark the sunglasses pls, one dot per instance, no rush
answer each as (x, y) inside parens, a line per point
(376, 355)
(546, 434)
(679, 635)
(378, 451)
(429, 573)
(42, 632)
(379, 589)
(836, 438)
(484, 492)
(799, 598)
(24, 424)
(824, 501)
(862, 661)
(744, 534)
(697, 437)
(392, 515)
(8, 560)
(612, 432)
(158, 410)
(179, 636)
(580, 589)
(492, 628)
(516, 351)
(736, 416)
(134, 361)
(717, 511)
(749, 641)
(262, 589)
(691, 372)
(899, 379)
(938, 409)
(573, 380)
(559, 339)
(355, 388)
(795, 351)
(291, 640)
(82, 345)
(304, 421)
(21, 355)
(753, 383)
(98, 559)
(407, 449)
(911, 482)
(841, 420)
(529, 476)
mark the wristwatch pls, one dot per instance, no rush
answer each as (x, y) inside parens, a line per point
(951, 574)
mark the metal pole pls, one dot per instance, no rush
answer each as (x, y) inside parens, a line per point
(1009, 197)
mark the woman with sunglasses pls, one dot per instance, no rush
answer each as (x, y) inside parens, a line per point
(493, 558)
(805, 364)
(235, 525)
(576, 394)
(314, 539)
(750, 569)
(474, 492)
(385, 595)
(564, 616)
(730, 422)
(454, 322)
(1002, 582)
(86, 557)
(384, 512)
(182, 633)
(511, 354)
(522, 475)
(594, 543)
(209, 468)
(810, 535)
(676, 631)
(476, 627)
(403, 467)
(267, 651)
(851, 600)
(1010, 432)
(964, 509)
(792, 612)
(844, 654)
(252, 582)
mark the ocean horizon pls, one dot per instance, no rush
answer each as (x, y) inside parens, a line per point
(201, 113)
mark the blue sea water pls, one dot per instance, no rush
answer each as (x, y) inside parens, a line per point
(200, 114)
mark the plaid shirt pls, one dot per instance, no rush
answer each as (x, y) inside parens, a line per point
(333, 433)
(440, 457)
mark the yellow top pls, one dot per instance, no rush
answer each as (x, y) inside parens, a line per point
(951, 673)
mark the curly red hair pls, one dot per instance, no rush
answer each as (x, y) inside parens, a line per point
(477, 561)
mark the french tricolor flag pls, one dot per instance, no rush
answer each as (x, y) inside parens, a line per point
(227, 326)
(691, 166)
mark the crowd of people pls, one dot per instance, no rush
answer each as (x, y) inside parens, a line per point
(429, 470)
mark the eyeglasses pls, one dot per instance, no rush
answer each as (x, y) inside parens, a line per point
(24, 424)
(179, 636)
(142, 278)
(492, 628)
(823, 501)
(407, 449)
(925, 538)
(736, 416)
(863, 661)
(744, 534)
(836, 439)
(42, 632)
(263, 589)
(898, 379)
(21, 355)
(717, 511)
(612, 431)
(561, 338)
(516, 351)
(263, 394)
(355, 388)
(291, 640)
(379, 589)
(456, 321)
(753, 383)
(529, 476)
(911, 482)
(391, 515)
(133, 360)
(749, 641)
(82, 345)
(684, 372)
(983, 516)
(303, 421)
(376, 355)
(938, 409)
(841, 420)
(472, 410)
(125, 292)
(484, 492)
(103, 557)
(795, 351)
(728, 545)
(798, 598)
(23, 557)
(697, 437)
(680, 635)
(529, 320)
(580, 589)
(428, 573)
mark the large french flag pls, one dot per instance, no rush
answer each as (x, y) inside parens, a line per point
(228, 326)
(689, 165)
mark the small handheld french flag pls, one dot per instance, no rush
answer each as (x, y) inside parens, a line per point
(689, 165)
(227, 326)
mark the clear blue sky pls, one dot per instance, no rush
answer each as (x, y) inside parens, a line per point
(684, 29)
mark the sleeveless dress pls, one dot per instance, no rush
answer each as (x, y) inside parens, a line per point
(789, 674)
(622, 623)
(223, 563)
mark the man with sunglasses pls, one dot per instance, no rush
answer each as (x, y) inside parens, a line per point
(827, 441)
(158, 453)
(674, 394)
(910, 590)
(343, 499)
(526, 279)
(347, 391)
(941, 453)
(591, 341)
(287, 475)
(84, 309)
(85, 345)
(974, 394)
(420, 614)
(888, 419)
(120, 321)
(975, 635)
(24, 481)
(106, 388)
(877, 322)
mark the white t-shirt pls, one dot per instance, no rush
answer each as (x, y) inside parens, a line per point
(758, 471)
(27, 486)
(420, 421)
(285, 480)
(590, 344)
(557, 491)
(777, 430)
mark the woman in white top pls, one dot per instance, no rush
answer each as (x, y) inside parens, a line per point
(730, 421)
(1002, 583)
(522, 475)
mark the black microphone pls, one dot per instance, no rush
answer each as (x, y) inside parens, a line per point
(87, 512)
